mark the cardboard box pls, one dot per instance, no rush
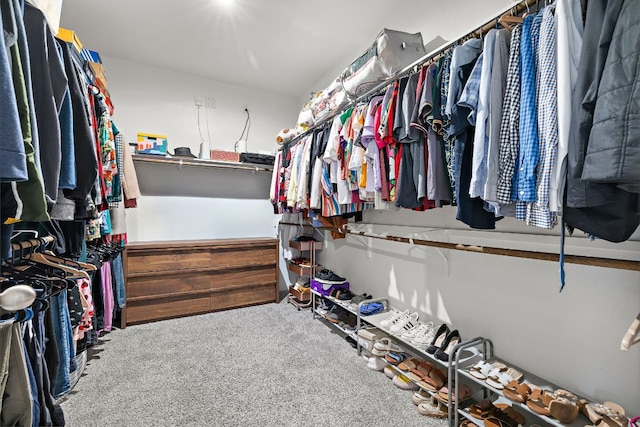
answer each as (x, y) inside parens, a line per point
(149, 143)
(325, 289)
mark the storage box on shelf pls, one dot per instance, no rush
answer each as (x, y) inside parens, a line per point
(494, 393)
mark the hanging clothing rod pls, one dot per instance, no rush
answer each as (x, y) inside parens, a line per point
(618, 264)
(32, 243)
(484, 28)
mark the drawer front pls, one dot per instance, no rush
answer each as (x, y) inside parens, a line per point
(145, 311)
(258, 275)
(170, 284)
(167, 262)
(240, 297)
(243, 257)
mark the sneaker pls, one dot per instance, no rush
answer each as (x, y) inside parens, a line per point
(393, 318)
(414, 333)
(404, 383)
(328, 276)
(371, 308)
(423, 339)
(376, 364)
(405, 323)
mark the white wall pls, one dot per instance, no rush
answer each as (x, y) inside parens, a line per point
(196, 203)
(572, 338)
(153, 100)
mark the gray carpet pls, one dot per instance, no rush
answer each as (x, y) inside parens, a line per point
(268, 365)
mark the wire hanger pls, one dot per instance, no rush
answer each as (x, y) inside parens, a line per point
(631, 337)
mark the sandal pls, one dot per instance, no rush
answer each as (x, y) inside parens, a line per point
(433, 408)
(462, 392)
(564, 407)
(539, 401)
(612, 414)
(421, 371)
(434, 381)
(409, 364)
(396, 358)
(482, 409)
(517, 392)
(482, 369)
(499, 378)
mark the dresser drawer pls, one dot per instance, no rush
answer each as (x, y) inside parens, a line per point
(167, 285)
(179, 260)
(242, 297)
(145, 311)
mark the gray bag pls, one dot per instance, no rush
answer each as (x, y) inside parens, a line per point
(390, 53)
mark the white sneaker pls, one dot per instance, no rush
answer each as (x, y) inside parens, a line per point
(424, 339)
(376, 363)
(395, 315)
(405, 323)
(419, 330)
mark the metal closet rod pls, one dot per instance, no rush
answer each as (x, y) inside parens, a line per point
(619, 264)
(519, 7)
(32, 243)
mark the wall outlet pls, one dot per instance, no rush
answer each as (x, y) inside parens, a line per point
(198, 100)
(209, 102)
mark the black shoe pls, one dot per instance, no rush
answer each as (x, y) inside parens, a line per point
(438, 339)
(351, 341)
(453, 338)
(345, 295)
(329, 277)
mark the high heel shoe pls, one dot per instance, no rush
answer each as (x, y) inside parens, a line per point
(452, 339)
(438, 339)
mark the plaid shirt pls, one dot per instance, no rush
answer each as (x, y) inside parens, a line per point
(524, 182)
(538, 213)
(471, 91)
(510, 126)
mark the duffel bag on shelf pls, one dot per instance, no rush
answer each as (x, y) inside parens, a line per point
(390, 53)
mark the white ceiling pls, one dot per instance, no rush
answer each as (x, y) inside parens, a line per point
(282, 46)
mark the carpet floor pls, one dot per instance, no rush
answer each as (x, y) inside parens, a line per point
(267, 365)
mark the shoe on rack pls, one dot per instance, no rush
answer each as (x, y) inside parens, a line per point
(419, 331)
(433, 408)
(371, 308)
(304, 238)
(385, 345)
(405, 323)
(390, 372)
(393, 317)
(420, 396)
(404, 383)
(345, 295)
(453, 338)
(329, 277)
(376, 363)
(438, 338)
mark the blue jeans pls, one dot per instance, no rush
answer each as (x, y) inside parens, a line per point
(64, 338)
(118, 277)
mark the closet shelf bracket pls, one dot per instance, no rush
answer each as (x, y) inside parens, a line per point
(444, 254)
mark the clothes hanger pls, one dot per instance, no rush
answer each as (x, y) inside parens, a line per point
(631, 337)
(509, 20)
(72, 273)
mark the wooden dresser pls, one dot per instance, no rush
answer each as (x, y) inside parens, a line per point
(181, 278)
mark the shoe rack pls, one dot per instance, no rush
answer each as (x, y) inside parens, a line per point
(308, 268)
(468, 351)
(462, 370)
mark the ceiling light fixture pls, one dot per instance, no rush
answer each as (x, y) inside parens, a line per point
(226, 3)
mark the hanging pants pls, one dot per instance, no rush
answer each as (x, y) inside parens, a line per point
(16, 403)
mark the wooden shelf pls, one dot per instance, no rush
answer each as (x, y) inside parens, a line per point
(300, 270)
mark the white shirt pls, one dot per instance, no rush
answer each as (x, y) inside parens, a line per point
(569, 44)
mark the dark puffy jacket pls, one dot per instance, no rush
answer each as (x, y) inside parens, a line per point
(613, 151)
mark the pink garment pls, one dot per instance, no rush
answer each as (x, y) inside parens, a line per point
(107, 296)
(89, 310)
